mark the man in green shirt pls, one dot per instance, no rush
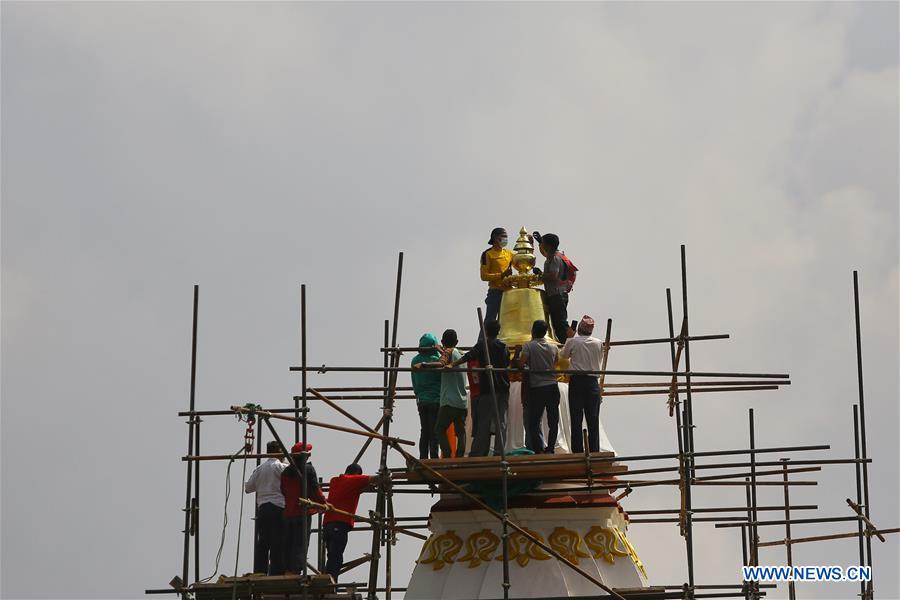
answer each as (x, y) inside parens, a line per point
(427, 388)
(453, 405)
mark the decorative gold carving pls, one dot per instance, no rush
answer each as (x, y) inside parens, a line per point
(568, 543)
(603, 543)
(610, 543)
(480, 546)
(631, 551)
(522, 549)
(441, 550)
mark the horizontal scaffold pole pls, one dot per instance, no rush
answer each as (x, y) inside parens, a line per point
(693, 338)
(822, 538)
(271, 415)
(344, 369)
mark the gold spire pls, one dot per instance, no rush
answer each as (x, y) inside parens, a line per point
(523, 262)
(522, 304)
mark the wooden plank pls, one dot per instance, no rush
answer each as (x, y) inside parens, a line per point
(520, 471)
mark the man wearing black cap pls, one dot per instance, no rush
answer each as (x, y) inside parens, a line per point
(483, 404)
(555, 286)
(495, 265)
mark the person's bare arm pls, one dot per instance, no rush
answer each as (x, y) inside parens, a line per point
(519, 359)
(428, 365)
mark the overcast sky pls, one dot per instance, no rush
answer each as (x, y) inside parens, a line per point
(250, 148)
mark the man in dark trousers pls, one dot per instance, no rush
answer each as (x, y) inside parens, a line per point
(268, 551)
(555, 285)
(483, 405)
(343, 493)
(427, 388)
(540, 354)
(495, 265)
(585, 353)
(295, 514)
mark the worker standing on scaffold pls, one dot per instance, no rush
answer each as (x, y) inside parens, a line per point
(268, 547)
(585, 353)
(495, 265)
(343, 493)
(295, 544)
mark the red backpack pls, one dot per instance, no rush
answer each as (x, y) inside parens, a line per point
(570, 272)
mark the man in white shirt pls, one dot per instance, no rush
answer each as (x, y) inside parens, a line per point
(585, 353)
(268, 551)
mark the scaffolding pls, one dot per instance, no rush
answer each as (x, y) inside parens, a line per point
(587, 472)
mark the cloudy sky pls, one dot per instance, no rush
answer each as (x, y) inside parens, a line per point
(249, 148)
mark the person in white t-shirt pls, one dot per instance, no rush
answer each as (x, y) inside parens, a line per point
(268, 548)
(584, 352)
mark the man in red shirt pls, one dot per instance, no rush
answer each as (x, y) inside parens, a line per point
(343, 493)
(298, 518)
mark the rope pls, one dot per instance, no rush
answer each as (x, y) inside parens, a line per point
(224, 516)
(237, 552)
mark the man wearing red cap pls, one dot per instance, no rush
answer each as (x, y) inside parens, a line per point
(585, 353)
(298, 518)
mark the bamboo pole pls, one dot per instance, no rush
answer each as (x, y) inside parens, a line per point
(822, 538)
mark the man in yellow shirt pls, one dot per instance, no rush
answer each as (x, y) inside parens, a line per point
(495, 265)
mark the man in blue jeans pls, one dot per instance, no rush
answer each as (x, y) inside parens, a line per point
(343, 493)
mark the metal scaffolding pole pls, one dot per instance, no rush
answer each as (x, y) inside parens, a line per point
(688, 425)
(862, 432)
(188, 512)
(859, 497)
(384, 487)
(504, 466)
(304, 526)
(792, 592)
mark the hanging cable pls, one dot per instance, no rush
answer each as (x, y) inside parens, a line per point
(224, 515)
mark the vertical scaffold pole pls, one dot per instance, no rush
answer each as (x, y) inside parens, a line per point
(195, 504)
(744, 556)
(187, 492)
(753, 530)
(259, 447)
(376, 532)
(384, 486)
(320, 538)
(792, 591)
(859, 496)
(682, 474)
(504, 466)
(688, 425)
(304, 523)
(749, 588)
(862, 429)
(302, 399)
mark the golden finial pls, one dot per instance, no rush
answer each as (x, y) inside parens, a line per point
(523, 262)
